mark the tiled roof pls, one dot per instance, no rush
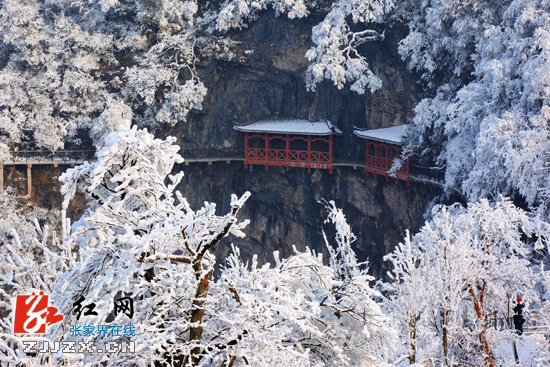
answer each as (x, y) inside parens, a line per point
(288, 126)
(392, 135)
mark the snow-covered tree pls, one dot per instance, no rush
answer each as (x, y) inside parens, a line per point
(67, 66)
(20, 214)
(30, 264)
(487, 64)
(335, 55)
(541, 355)
(139, 238)
(462, 267)
(408, 296)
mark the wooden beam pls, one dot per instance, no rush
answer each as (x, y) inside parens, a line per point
(308, 154)
(287, 158)
(246, 146)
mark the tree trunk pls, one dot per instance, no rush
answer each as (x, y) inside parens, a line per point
(445, 338)
(198, 312)
(412, 339)
(479, 306)
(231, 361)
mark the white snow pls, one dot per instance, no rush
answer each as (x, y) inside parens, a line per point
(290, 126)
(525, 347)
(388, 135)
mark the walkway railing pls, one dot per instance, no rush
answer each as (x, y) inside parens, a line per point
(209, 153)
(50, 156)
(431, 175)
(534, 322)
(315, 152)
(78, 156)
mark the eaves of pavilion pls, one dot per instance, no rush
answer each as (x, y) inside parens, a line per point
(289, 143)
(383, 147)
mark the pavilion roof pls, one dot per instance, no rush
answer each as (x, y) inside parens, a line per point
(392, 135)
(290, 126)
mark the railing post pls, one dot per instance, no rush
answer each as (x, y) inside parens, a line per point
(1, 178)
(387, 148)
(266, 149)
(246, 150)
(367, 146)
(287, 153)
(29, 180)
(308, 165)
(376, 156)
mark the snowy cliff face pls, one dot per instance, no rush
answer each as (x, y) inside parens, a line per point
(265, 78)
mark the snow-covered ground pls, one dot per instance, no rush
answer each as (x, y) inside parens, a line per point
(525, 347)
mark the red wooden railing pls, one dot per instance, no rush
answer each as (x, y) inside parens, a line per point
(380, 164)
(380, 156)
(268, 156)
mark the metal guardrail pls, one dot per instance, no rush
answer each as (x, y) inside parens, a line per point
(534, 322)
(431, 174)
(207, 153)
(57, 156)
(53, 156)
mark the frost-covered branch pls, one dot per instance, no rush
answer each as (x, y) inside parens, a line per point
(335, 55)
(463, 265)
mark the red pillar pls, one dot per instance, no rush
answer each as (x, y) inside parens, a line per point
(375, 159)
(402, 164)
(266, 149)
(246, 150)
(367, 157)
(309, 153)
(330, 153)
(408, 175)
(287, 153)
(387, 161)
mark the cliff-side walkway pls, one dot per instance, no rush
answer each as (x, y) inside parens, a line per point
(30, 158)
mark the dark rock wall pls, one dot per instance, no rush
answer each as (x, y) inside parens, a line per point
(46, 188)
(266, 78)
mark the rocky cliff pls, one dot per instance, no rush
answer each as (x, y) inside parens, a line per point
(265, 78)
